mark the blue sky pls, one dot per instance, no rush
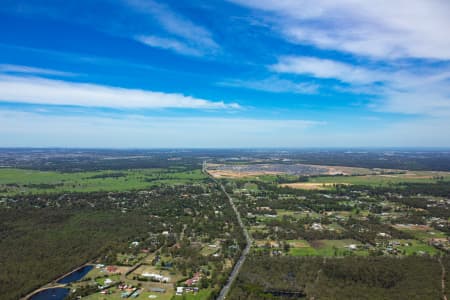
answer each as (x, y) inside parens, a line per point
(236, 73)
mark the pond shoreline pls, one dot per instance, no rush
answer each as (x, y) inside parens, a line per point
(56, 284)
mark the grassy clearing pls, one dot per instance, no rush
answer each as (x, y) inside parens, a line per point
(17, 181)
(416, 177)
(207, 250)
(421, 232)
(116, 295)
(156, 296)
(415, 247)
(325, 248)
(251, 186)
(296, 214)
(301, 248)
(101, 281)
(129, 259)
(201, 295)
(328, 182)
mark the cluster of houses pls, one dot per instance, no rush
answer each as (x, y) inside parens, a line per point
(182, 289)
(189, 285)
(194, 280)
(129, 291)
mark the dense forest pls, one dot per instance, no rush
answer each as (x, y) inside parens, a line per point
(38, 245)
(45, 236)
(339, 278)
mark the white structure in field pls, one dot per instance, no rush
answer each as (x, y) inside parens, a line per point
(157, 277)
(180, 290)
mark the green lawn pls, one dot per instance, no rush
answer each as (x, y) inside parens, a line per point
(201, 295)
(326, 248)
(251, 186)
(16, 181)
(101, 281)
(419, 177)
(301, 248)
(416, 246)
(423, 235)
(117, 296)
(412, 177)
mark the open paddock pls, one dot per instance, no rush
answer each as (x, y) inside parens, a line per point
(327, 248)
(420, 232)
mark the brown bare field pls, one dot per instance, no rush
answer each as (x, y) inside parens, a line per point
(412, 227)
(235, 174)
(308, 185)
(317, 244)
(264, 169)
(299, 244)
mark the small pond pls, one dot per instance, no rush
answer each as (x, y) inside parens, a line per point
(51, 294)
(76, 275)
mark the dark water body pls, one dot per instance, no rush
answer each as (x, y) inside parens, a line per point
(76, 275)
(51, 294)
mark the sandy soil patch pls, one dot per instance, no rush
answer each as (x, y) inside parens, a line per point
(308, 185)
(413, 227)
(236, 174)
(299, 244)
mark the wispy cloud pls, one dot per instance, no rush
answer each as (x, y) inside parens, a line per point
(153, 23)
(396, 91)
(394, 29)
(19, 69)
(273, 85)
(170, 44)
(184, 36)
(56, 92)
(325, 68)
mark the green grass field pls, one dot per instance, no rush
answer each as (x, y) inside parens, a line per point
(201, 295)
(416, 177)
(325, 248)
(424, 234)
(384, 179)
(415, 247)
(117, 296)
(296, 214)
(18, 181)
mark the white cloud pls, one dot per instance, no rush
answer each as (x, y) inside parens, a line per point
(185, 37)
(170, 44)
(6, 68)
(30, 129)
(424, 92)
(382, 29)
(416, 101)
(273, 85)
(325, 68)
(56, 92)
(127, 19)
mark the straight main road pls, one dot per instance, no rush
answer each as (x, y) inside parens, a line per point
(237, 266)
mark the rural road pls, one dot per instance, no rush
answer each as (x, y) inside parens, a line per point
(237, 267)
(444, 296)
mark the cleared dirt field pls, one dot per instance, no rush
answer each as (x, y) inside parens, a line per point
(308, 185)
(252, 170)
(236, 174)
